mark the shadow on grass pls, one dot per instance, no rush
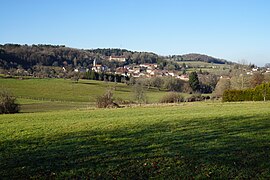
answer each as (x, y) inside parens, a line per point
(235, 147)
(120, 89)
(88, 83)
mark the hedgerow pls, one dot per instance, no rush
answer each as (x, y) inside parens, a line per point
(259, 93)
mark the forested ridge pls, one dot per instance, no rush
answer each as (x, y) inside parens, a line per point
(27, 56)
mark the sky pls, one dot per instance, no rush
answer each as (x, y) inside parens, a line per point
(235, 30)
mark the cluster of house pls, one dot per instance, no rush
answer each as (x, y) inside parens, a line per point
(254, 70)
(147, 71)
(101, 68)
(142, 70)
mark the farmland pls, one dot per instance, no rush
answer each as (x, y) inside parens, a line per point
(212, 68)
(56, 94)
(62, 90)
(189, 140)
(60, 134)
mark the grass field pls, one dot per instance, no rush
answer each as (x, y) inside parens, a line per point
(59, 94)
(217, 69)
(62, 90)
(190, 140)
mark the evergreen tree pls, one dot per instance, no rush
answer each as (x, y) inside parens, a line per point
(194, 81)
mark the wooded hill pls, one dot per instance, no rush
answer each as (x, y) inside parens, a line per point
(27, 56)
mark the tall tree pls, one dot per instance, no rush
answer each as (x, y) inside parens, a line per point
(194, 81)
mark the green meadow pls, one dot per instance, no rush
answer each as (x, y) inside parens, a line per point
(189, 140)
(60, 94)
(60, 135)
(62, 90)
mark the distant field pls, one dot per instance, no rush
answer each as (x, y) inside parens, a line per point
(190, 140)
(204, 66)
(201, 63)
(56, 94)
(61, 90)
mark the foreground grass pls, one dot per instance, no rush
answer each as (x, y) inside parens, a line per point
(199, 140)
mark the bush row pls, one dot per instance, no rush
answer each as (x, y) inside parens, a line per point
(194, 98)
(174, 97)
(259, 93)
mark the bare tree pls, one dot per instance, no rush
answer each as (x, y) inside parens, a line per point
(139, 93)
(240, 80)
(256, 79)
(222, 85)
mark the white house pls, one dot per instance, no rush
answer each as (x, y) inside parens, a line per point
(117, 58)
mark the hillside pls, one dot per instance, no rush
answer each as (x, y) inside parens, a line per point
(59, 94)
(14, 55)
(200, 57)
(26, 56)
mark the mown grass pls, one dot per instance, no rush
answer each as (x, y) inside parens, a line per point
(190, 140)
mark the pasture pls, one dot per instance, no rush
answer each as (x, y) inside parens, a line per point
(184, 141)
(60, 94)
(212, 68)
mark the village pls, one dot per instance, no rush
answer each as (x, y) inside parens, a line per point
(146, 70)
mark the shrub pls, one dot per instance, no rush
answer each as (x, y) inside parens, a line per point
(123, 101)
(194, 98)
(260, 93)
(7, 103)
(172, 97)
(197, 97)
(106, 100)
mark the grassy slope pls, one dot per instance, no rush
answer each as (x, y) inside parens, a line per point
(44, 93)
(194, 140)
(60, 90)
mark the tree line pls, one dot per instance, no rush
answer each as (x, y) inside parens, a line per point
(27, 56)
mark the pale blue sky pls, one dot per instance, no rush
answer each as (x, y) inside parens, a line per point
(229, 29)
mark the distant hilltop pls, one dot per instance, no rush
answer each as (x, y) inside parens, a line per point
(202, 57)
(26, 56)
